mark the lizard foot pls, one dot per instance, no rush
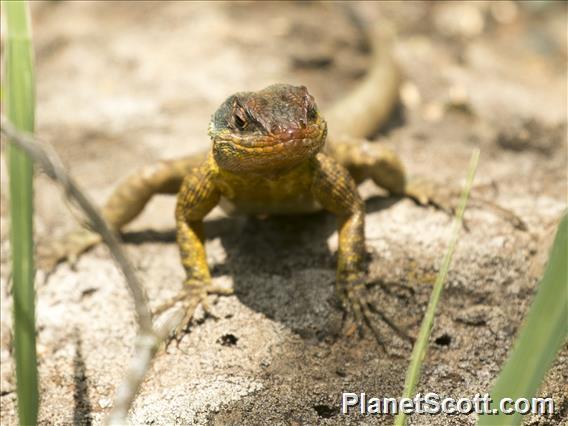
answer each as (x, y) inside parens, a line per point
(70, 247)
(358, 314)
(426, 193)
(359, 311)
(195, 293)
(446, 199)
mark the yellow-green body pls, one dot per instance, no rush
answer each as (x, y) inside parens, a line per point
(269, 156)
(288, 193)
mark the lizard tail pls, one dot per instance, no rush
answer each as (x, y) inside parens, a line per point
(369, 104)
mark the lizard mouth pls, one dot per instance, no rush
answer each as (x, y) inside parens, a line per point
(258, 140)
(267, 152)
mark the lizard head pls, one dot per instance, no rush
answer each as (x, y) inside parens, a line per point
(265, 131)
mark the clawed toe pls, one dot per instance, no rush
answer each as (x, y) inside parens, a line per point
(427, 193)
(70, 247)
(360, 315)
(357, 316)
(190, 298)
(363, 318)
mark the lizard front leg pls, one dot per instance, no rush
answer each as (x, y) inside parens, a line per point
(131, 196)
(336, 191)
(125, 203)
(197, 196)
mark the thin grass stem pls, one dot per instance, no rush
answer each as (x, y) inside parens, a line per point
(419, 351)
(20, 104)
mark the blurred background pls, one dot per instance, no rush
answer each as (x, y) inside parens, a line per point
(122, 84)
(141, 81)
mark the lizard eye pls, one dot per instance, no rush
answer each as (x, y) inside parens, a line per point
(239, 118)
(312, 112)
(240, 123)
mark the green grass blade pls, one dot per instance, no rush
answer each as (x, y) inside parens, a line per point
(419, 351)
(544, 331)
(19, 103)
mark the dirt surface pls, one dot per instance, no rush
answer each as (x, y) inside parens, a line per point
(121, 85)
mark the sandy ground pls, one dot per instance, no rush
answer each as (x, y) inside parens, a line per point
(121, 85)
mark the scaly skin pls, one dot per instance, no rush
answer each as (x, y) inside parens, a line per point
(356, 116)
(269, 157)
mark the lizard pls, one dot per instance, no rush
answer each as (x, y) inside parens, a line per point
(268, 157)
(273, 153)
